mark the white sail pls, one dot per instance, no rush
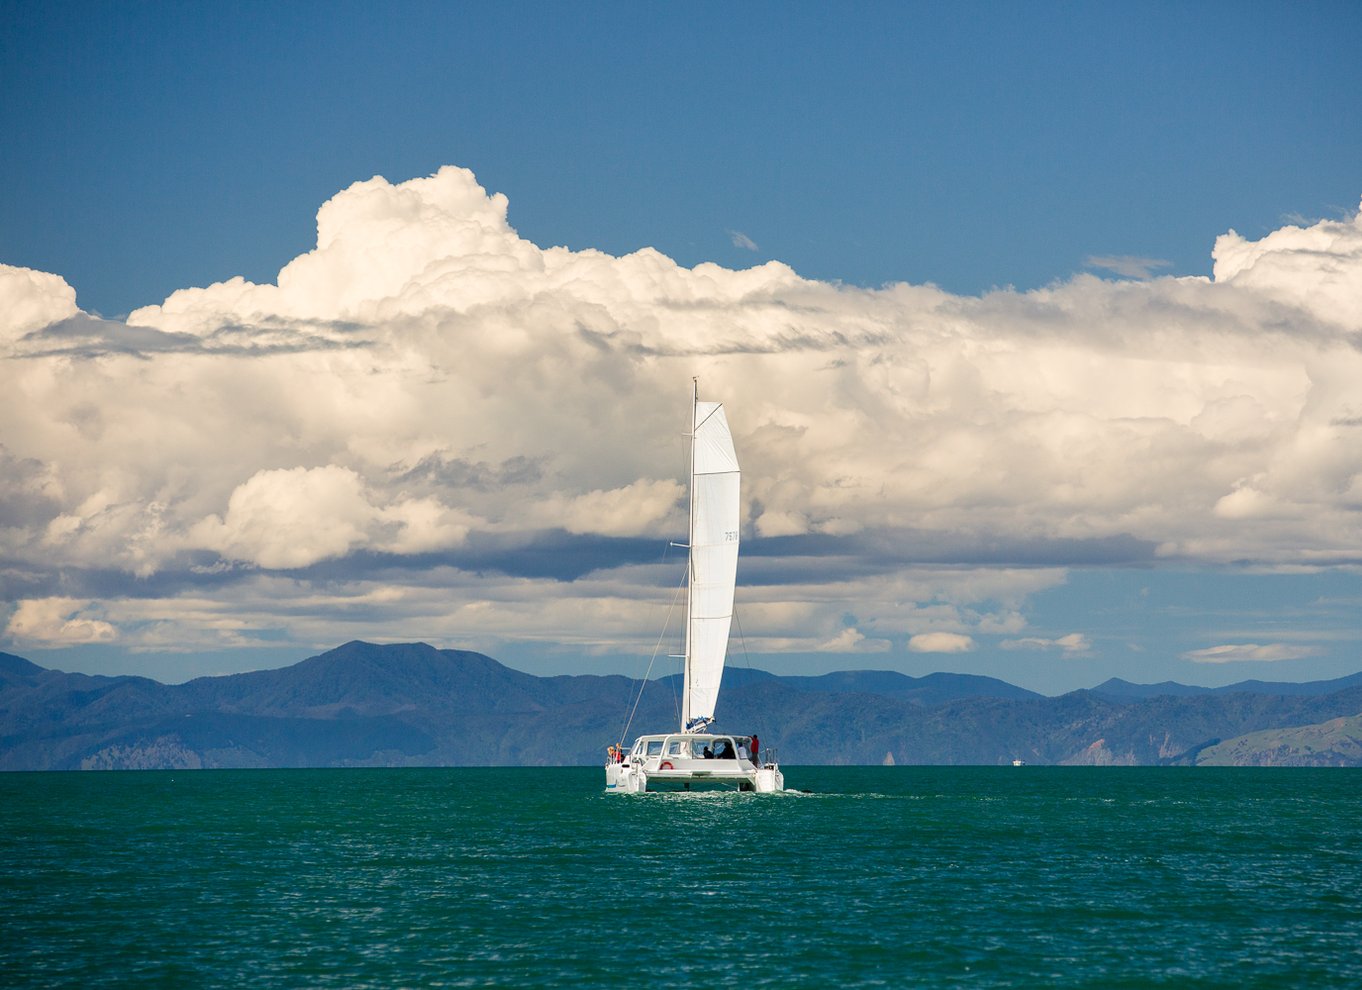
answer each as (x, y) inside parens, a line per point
(713, 560)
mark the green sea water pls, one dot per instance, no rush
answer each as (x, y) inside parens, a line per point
(894, 877)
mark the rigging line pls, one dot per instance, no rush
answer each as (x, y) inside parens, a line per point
(685, 583)
(657, 646)
(688, 581)
(746, 660)
(662, 559)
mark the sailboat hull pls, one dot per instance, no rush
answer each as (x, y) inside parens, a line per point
(675, 762)
(635, 780)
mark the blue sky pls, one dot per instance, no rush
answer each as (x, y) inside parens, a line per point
(156, 146)
(153, 148)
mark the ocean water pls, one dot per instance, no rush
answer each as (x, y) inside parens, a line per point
(894, 877)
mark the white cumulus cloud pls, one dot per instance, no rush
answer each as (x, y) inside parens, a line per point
(31, 300)
(290, 518)
(1316, 267)
(426, 384)
(852, 640)
(1236, 652)
(940, 642)
(59, 622)
(295, 517)
(1073, 644)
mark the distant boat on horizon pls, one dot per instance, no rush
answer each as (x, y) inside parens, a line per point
(694, 757)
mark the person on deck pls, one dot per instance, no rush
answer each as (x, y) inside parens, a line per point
(756, 750)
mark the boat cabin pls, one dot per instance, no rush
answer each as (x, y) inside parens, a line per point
(690, 751)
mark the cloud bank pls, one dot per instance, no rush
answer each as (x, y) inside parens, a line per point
(430, 424)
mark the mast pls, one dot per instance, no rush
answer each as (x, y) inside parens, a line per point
(690, 556)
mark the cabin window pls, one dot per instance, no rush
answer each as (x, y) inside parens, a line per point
(679, 748)
(654, 747)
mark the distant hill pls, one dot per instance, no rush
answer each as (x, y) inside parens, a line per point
(1335, 743)
(933, 689)
(1116, 689)
(358, 705)
(413, 705)
(12, 666)
(1119, 690)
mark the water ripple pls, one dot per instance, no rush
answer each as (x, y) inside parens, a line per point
(932, 877)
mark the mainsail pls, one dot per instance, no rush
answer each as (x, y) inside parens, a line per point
(714, 503)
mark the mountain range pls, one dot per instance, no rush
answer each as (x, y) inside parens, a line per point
(413, 705)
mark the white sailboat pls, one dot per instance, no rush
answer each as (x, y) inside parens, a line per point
(695, 757)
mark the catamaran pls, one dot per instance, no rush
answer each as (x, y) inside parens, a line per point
(695, 756)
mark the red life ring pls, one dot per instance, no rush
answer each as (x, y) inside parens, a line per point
(666, 765)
